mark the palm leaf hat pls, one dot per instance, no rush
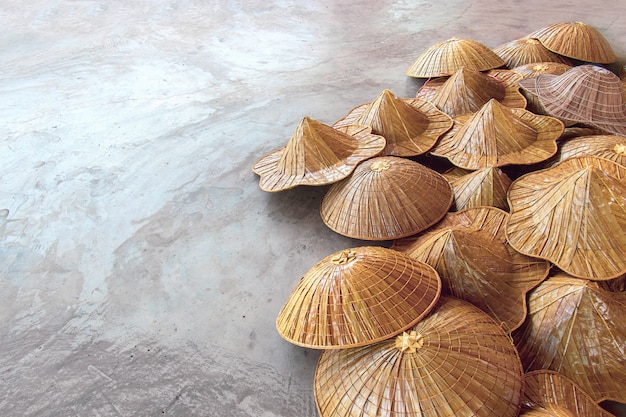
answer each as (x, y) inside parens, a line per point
(482, 187)
(524, 51)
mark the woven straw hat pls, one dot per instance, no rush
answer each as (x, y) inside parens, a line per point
(610, 147)
(386, 198)
(357, 297)
(572, 214)
(539, 68)
(482, 187)
(455, 362)
(317, 154)
(552, 393)
(467, 90)
(497, 135)
(576, 328)
(576, 40)
(445, 58)
(586, 93)
(470, 252)
(410, 126)
(525, 51)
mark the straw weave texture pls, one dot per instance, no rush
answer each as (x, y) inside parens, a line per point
(574, 215)
(576, 328)
(538, 68)
(483, 187)
(386, 198)
(610, 147)
(356, 297)
(525, 51)
(445, 58)
(466, 366)
(470, 252)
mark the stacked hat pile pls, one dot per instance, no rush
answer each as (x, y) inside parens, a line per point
(510, 260)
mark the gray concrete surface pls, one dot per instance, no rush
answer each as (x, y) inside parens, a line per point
(141, 267)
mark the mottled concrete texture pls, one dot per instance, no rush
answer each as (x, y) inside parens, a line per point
(141, 267)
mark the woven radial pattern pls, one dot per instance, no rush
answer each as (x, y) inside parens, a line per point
(483, 187)
(455, 362)
(497, 136)
(410, 126)
(445, 58)
(356, 297)
(549, 390)
(576, 40)
(610, 147)
(317, 154)
(386, 198)
(586, 93)
(467, 90)
(525, 51)
(539, 68)
(469, 251)
(577, 329)
(572, 214)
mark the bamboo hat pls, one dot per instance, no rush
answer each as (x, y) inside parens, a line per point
(497, 135)
(525, 51)
(317, 154)
(357, 297)
(586, 93)
(470, 252)
(467, 90)
(576, 40)
(572, 214)
(610, 147)
(576, 328)
(556, 395)
(539, 68)
(482, 187)
(446, 57)
(455, 362)
(386, 198)
(410, 126)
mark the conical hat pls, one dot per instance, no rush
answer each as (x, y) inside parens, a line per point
(454, 362)
(610, 147)
(357, 297)
(386, 198)
(576, 40)
(467, 90)
(410, 126)
(572, 214)
(586, 93)
(577, 329)
(470, 252)
(498, 136)
(539, 68)
(553, 392)
(482, 187)
(317, 154)
(445, 58)
(525, 51)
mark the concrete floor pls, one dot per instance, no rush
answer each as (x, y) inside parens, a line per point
(141, 266)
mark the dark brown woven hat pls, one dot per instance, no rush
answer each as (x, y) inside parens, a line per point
(610, 147)
(410, 126)
(482, 187)
(525, 51)
(470, 252)
(356, 297)
(447, 57)
(455, 362)
(317, 154)
(576, 328)
(386, 198)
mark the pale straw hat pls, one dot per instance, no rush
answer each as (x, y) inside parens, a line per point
(527, 50)
(538, 68)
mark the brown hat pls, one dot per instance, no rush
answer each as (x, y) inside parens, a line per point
(482, 187)
(497, 135)
(539, 68)
(317, 154)
(445, 58)
(605, 146)
(455, 362)
(576, 40)
(386, 198)
(467, 90)
(470, 252)
(576, 328)
(586, 93)
(410, 126)
(572, 214)
(357, 297)
(525, 51)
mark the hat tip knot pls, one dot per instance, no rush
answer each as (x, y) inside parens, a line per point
(409, 342)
